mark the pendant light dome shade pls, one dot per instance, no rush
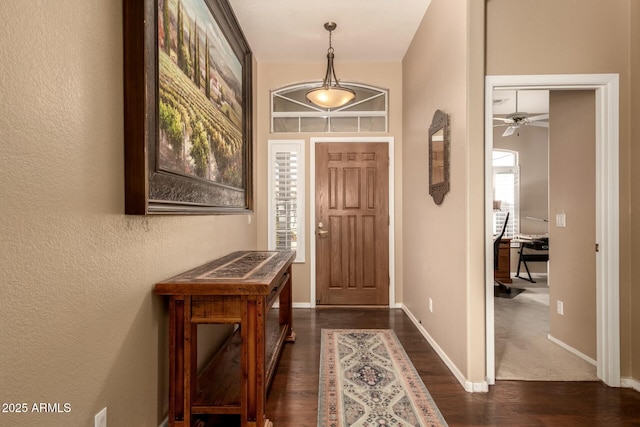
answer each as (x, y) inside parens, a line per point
(330, 94)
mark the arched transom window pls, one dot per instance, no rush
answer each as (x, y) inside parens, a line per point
(291, 112)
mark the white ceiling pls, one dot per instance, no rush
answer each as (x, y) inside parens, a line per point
(529, 101)
(293, 30)
(368, 31)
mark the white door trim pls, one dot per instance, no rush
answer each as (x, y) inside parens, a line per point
(312, 209)
(606, 87)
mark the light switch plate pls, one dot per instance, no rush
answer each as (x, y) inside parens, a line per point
(561, 220)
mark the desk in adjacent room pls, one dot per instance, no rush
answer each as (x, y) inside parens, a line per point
(503, 273)
(537, 251)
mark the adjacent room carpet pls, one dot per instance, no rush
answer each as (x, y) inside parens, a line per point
(523, 349)
(367, 379)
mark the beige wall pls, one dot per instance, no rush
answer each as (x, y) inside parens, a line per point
(273, 76)
(532, 145)
(634, 159)
(551, 37)
(572, 258)
(443, 246)
(78, 322)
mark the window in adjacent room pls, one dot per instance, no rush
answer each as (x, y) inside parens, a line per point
(506, 192)
(292, 113)
(286, 197)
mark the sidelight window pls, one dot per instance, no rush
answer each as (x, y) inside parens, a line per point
(286, 197)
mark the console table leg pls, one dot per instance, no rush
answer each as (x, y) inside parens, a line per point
(255, 360)
(176, 358)
(286, 309)
(190, 360)
(251, 361)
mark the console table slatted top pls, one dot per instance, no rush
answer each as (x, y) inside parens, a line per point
(239, 273)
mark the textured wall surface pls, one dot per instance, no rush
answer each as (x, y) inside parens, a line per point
(78, 322)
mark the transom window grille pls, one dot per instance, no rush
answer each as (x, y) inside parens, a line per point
(506, 192)
(286, 197)
(292, 113)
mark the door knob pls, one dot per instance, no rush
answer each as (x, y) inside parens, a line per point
(320, 231)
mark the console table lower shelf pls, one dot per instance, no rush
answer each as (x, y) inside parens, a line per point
(239, 289)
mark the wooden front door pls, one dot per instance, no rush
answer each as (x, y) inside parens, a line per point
(352, 223)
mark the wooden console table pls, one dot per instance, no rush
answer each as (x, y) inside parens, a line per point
(239, 288)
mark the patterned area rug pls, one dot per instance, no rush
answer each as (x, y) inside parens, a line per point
(367, 380)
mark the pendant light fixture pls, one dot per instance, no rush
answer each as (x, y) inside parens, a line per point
(330, 94)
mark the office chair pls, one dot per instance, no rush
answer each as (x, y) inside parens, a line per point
(496, 243)
(502, 290)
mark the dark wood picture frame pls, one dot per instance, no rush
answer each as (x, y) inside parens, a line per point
(439, 140)
(187, 108)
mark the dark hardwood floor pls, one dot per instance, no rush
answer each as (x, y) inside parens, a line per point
(293, 398)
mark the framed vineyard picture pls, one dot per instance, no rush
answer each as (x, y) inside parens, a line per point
(187, 107)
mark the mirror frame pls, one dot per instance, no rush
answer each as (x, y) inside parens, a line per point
(440, 122)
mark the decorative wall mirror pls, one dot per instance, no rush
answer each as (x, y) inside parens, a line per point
(439, 140)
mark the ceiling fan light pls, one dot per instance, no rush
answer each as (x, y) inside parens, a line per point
(510, 130)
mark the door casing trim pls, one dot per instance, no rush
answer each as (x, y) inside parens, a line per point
(390, 141)
(606, 87)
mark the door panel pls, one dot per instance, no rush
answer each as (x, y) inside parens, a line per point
(352, 230)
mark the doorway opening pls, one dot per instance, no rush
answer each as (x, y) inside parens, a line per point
(545, 329)
(606, 89)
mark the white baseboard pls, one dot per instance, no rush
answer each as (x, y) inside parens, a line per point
(572, 350)
(301, 305)
(630, 383)
(165, 423)
(294, 305)
(471, 387)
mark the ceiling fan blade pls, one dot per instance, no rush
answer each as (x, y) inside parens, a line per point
(538, 117)
(509, 131)
(539, 124)
(504, 119)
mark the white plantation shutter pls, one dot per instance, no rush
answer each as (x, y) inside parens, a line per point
(286, 197)
(506, 189)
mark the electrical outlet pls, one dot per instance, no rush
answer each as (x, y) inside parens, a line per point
(430, 305)
(100, 420)
(560, 308)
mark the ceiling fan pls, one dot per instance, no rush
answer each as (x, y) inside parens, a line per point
(513, 121)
